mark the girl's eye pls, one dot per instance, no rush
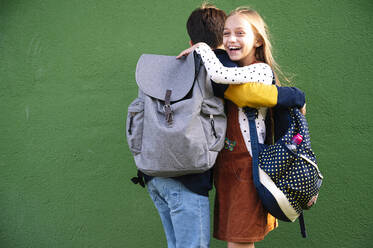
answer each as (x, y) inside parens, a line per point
(240, 33)
(225, 33)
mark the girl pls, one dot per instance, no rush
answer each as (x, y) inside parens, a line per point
(239, 217)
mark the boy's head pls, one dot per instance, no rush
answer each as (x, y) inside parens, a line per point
(206, 24)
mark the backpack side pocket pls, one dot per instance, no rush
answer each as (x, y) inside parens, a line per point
(135, 125)
(214, 122)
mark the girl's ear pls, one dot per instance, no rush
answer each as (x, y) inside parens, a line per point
(191, 43)
(258, 43)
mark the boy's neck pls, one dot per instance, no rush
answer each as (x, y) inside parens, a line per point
(220, 47)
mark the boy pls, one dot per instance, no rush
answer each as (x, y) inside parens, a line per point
(182, 202)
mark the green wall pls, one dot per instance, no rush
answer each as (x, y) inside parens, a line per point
(67, 77)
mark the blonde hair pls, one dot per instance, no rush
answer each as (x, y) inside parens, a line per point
(260, 28)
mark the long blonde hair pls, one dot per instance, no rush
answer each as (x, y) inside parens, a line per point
(260, 28)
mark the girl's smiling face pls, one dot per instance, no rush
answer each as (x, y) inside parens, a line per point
(239, 40)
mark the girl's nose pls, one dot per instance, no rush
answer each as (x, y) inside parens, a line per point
(232, 38)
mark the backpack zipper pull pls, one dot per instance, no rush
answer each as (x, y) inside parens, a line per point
(213, 126)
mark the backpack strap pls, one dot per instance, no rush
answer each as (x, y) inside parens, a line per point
(251, 114)
(302, 226)
(197, 64)
(205, 86)
(139, 179)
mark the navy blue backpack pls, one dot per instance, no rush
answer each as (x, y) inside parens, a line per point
(286, 175)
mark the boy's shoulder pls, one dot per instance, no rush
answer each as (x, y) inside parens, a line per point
(222, 55)
(224, 58)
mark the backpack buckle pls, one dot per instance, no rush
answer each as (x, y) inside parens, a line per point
(251, 113)
(167, 107)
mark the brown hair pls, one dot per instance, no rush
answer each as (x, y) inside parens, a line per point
(263, 52)
(206, 24)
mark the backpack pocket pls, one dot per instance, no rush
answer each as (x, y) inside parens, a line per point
(135, 125)
(214, 122)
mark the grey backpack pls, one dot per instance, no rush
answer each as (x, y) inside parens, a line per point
(176, 126)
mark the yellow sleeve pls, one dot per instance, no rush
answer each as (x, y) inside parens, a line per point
(252, 95)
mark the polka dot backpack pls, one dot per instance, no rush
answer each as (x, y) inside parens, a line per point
(286, 175)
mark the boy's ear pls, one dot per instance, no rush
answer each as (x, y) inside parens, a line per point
(191, 43)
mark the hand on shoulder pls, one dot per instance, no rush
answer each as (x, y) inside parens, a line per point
(189, 50)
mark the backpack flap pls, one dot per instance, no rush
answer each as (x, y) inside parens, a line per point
(155, 74)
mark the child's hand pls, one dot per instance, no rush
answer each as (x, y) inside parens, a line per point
(187, 51)
(303, 109)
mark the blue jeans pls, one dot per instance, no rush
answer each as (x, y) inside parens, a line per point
(185, 215)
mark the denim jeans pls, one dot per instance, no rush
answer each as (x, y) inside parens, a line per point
(185, 215)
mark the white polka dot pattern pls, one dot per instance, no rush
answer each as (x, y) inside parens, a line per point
(260, 126)
(259, 72)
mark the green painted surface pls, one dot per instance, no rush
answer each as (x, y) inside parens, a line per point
(67, 76)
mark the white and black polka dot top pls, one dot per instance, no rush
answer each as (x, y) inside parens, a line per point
(259, 72)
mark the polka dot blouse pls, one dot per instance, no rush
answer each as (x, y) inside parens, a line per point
(259, 72)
